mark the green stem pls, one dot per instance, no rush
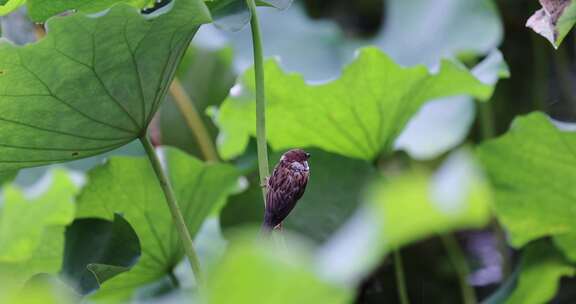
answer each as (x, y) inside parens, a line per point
(193, 120)
(400, 279)
(177, 217)
(486, 120)
(461, 266)
(260, 98)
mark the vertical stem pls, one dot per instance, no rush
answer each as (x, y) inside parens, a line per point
(260, 98)
(193, 120)
(460, 265)
(177, 217)
(486, 119)
(400, 279)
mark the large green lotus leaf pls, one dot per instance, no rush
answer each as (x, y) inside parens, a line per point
(32, 226)
(542, 267)
(531, 169)
(403, 209)
(128, 186)
(357, 115)
(554, 20)
(40, 289)
(254, 271)
(40, 10)
(91, 85)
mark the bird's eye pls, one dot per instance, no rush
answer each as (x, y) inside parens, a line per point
(307, 155)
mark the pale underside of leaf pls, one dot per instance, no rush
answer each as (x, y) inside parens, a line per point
(91, 85)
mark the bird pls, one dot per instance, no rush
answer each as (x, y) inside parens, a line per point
(285, 187)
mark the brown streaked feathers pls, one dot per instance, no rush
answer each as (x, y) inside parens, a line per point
(285, 186)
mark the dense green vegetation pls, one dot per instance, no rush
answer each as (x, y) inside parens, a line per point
(136, 137)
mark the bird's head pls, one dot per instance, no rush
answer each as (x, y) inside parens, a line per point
(296, 158)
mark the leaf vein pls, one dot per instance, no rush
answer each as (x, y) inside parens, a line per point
(64, 133)
(66, 103)
(101, 82)
(138, 74)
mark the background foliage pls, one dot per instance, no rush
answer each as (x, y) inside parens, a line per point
(440, 131)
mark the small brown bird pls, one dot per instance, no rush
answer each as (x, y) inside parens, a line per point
(285, 187)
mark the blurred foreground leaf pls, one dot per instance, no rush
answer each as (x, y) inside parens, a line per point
(40, 289)
(359, 115)
(405, 209)
(128, 186)
(32, 228)
(254, 271)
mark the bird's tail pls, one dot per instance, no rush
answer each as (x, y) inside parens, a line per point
(265, 228)
(268, 223)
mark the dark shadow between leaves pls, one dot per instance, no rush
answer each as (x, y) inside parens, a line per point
(96, 250)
